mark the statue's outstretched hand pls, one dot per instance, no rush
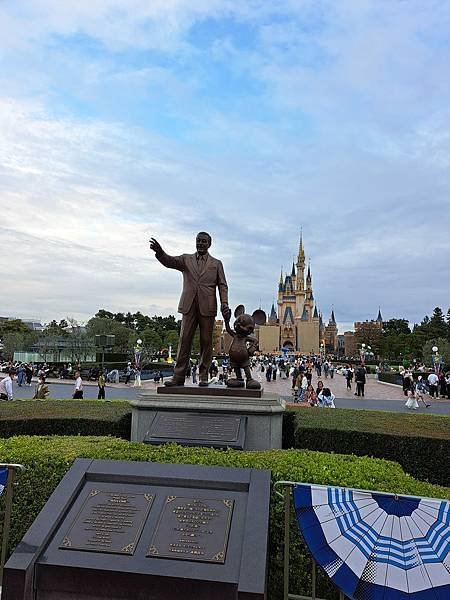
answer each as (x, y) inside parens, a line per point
(155, 246)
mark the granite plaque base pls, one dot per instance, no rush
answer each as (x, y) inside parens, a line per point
(264, 418)
(190, 429)
(145, 531)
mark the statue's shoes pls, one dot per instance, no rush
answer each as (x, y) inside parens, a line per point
(252, 384)
(203, 384)
(235, 383)
(173, 382)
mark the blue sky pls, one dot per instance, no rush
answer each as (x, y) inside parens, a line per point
(121, 120)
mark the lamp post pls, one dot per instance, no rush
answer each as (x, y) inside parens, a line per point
(436, 359)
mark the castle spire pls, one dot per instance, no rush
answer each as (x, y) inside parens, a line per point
(379, 317)
(301, 251)
(293, 270)
(273, 314)
(332, 319)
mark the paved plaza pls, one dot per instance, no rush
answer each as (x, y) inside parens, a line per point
(378, 396)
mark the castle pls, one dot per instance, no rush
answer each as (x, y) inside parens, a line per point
(297, 324)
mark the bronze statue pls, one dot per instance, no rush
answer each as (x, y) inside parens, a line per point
(202, 274)
(243, 346)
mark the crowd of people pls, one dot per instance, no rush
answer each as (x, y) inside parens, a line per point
(434, 385)
(299, 371)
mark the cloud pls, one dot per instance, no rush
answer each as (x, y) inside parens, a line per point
(249, 120)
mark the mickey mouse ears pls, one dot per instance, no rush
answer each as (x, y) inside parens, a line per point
(239, 310)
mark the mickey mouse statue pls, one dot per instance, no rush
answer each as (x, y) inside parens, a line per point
(243, 346)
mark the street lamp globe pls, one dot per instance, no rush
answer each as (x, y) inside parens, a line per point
(435, 348)
(139, 341)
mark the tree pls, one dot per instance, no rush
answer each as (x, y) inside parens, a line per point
(172, 339)
(104, 314)
(433, 327)
(12, 341)
(13, 326)
(57, 329)
(99, 326)
(369, 335)
(396, 327)
(152, 341)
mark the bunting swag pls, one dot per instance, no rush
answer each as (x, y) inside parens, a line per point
(377, 546)
(3, 479)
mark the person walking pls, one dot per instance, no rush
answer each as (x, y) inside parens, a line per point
(194, 373)
(101, 382)
(137, 377)
(28, 374)
(433, 380)
(447, 381)
(412, 401)
(41, 392)
(331, 370)
(442, 385)
(21, 375)
(360, 379)
(420, 389)
(6, 387)
(349, 377)
(408, 381)
(78, 390)
(127, 373)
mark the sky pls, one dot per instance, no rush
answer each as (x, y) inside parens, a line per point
(248, 119)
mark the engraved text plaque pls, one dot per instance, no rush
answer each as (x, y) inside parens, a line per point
(109, 522)
(195, 427)
(193, 529)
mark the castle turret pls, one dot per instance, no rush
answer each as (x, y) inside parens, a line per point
(273, 314)
(308, 278)
(379, 317)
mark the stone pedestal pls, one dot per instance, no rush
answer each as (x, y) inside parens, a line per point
(263, 415)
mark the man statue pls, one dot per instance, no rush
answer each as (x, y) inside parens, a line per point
(198, 303)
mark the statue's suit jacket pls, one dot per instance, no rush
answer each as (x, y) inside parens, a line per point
(200, 279)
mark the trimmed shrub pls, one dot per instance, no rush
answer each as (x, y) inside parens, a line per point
(420, 443)
(47, 459)
(65, 417)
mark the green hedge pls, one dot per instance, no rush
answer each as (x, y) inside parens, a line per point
(47, 459)
(65, 417)
(420, 443)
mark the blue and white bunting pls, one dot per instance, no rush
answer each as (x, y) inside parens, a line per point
(377, 546)
(3, 479)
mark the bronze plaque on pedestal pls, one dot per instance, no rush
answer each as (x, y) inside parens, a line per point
(195, 426)
(193, 529)
(109, 522)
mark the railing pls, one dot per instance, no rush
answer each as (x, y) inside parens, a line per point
(12, 470)
(287, 498)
